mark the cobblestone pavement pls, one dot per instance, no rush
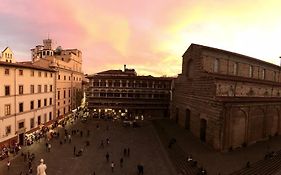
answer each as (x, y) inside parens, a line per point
(217, 162)
(145, 148)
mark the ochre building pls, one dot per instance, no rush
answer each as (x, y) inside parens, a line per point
(27, 100)
(68, 66)
(126, 92)
(225, 99)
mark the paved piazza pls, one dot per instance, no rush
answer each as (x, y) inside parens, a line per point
(145, 148)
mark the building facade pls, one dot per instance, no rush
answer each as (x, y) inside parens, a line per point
(226, 99)
(7, 55)
(124, 91)
(27, 100)
(68, 64)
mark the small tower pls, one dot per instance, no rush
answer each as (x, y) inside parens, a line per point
(47, 44)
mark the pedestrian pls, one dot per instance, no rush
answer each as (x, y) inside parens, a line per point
(74, 150)
(141, 169)
(128, 152)
(81, 133)
(107, 141)
(8, 164)
(69, 138)
(125, 152)
(49, 147)
(107, 157)
(41, 168)
(94, 173)
(64, 139)
(121, 162)
(30, 170)
(112, 166)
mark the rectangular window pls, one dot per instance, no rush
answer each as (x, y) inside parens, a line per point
(31, 123)
(31, 105)
(8, 130)
(64, 77)
(235, 68)
(69, 93)
(38, 120)
(21, 125)
(20, 89)
(216, 65)
(58, 95)
(51, 88)
(20, 107)
(32, 89)
(51, 75)
(45, 102)
(7, 90)
(39, 74)
(7, 109)
(39, 89)
(39, 103)
(51, 101)
(46, 74)
(274, 76)
(59, 77)
(45, 88)
(64, 94)
(50, 116)
(7, 71)
(251, 71)
(21, 72)
(263, 74)
(32, 73)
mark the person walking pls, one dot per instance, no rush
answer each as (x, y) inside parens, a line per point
(128, 152)
(101, 144)
(69, 138)
(107, 157)
(125, 152)
(107, 141)
(74, 150)
(41, 168)
(49, 147)
(8, 164)
(112, 166)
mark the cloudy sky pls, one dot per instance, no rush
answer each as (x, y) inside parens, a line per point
(148, 35)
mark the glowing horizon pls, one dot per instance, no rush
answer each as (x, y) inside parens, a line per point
(149, 37)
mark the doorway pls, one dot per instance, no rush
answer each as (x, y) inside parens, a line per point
(21, 139)
(203, 128)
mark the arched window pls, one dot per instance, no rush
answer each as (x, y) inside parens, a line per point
(216, 65)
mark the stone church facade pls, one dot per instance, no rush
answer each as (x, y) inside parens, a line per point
(225, 99)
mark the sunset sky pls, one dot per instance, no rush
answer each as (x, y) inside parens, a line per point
(148, 35)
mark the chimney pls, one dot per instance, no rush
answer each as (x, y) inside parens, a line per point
(124, 67)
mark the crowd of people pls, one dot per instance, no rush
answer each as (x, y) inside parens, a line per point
(64, 132)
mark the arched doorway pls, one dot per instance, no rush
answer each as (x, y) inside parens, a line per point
(203, 128)
(238, 123)
(187, 119)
